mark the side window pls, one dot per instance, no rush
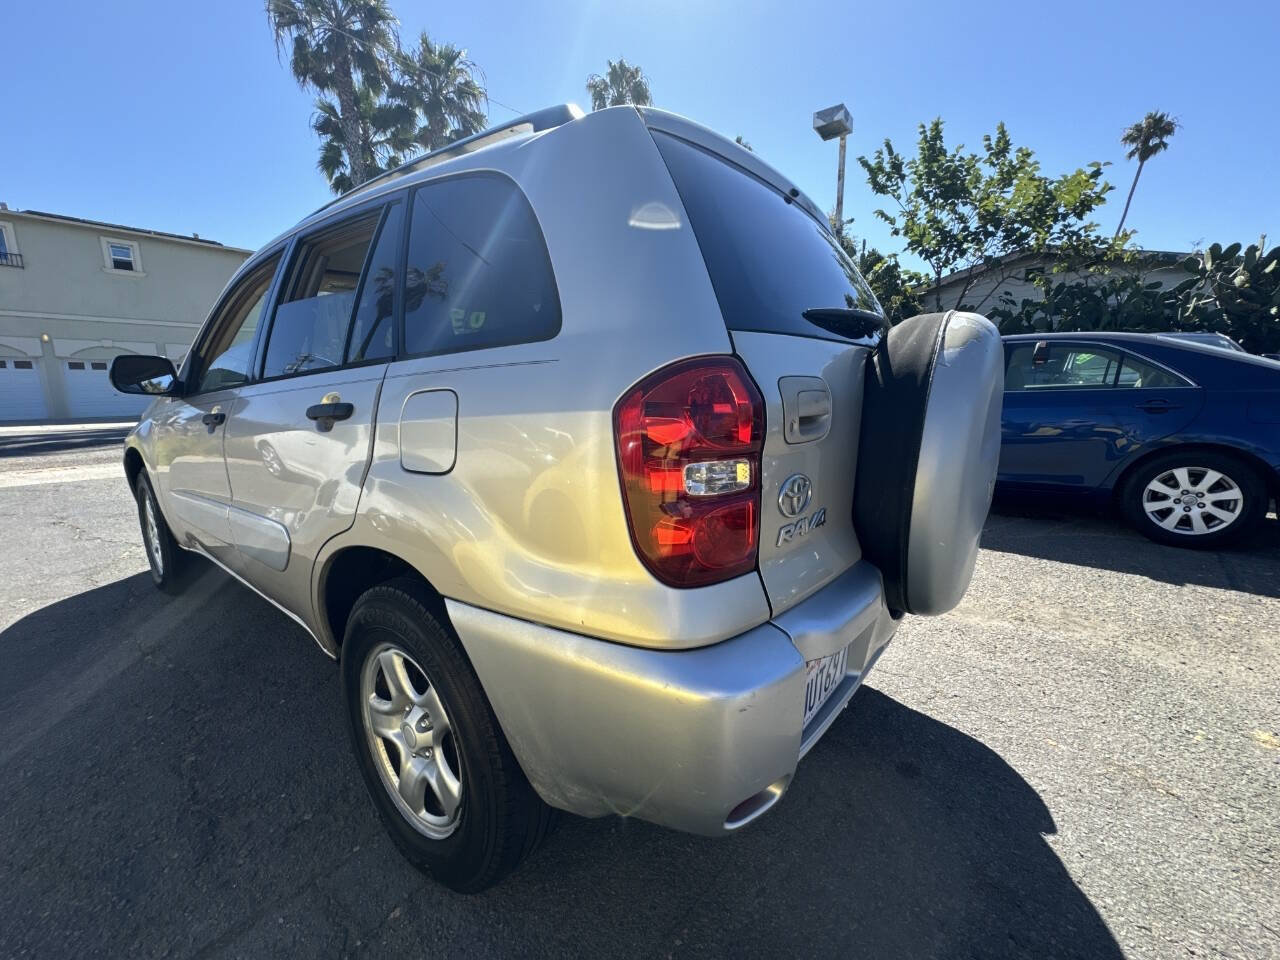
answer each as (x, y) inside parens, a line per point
(227, 354)
(373, 335)
(478, 272)
(1063, 367)
(1137, 374)
(309, 330)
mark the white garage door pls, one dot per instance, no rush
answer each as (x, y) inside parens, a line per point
(21, 392)
(90, 394)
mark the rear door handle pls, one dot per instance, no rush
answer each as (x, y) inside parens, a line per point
(213, 420)
(1158, 406)
(325, 414)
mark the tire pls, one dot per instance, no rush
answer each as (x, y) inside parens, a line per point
(498, 819)
(927, 455)
(1213, 499)
(168, 563)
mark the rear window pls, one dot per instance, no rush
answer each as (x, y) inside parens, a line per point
(478, 272)
(768, 259)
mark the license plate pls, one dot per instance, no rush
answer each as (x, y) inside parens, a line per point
(824, 675)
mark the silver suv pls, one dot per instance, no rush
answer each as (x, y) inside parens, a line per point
(587, 452)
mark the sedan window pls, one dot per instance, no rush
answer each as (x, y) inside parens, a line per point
(1067, 367)
(1081, 367)
(1138, 373)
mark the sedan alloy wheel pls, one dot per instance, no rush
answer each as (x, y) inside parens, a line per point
(1193, 501)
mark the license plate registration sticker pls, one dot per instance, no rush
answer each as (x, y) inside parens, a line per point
(824, 675)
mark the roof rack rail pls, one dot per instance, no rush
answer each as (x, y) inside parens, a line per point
(535, 122)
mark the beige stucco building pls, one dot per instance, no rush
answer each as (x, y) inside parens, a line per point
(982, 288)
(75, 293)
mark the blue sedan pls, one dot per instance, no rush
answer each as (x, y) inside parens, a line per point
(1184, 436)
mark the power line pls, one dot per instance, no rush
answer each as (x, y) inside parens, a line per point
(506, 106)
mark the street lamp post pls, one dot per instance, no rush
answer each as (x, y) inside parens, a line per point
(831, 123)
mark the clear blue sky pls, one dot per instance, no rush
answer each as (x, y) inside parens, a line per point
(179, 117)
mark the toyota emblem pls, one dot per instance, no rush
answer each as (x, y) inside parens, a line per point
(794, 495)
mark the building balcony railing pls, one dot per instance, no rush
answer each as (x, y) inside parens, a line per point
(10, 259)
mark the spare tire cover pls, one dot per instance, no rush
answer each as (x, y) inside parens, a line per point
(927, 455)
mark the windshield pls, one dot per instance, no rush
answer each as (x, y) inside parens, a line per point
(769, 261)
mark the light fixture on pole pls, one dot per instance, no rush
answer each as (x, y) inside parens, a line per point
(831, 123)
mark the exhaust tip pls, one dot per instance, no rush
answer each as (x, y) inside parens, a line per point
(756, 804)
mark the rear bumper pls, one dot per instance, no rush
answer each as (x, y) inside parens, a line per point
(702, 740)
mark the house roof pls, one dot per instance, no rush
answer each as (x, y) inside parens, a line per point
(1162, 256)
(120, 228)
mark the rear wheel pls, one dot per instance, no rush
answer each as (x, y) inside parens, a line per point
(167, 561)
(438, 768)
(1195, 499)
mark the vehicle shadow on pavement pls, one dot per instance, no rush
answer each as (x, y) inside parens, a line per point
(900, 837)
(39, 443)
(177, 779)
(1093, 538)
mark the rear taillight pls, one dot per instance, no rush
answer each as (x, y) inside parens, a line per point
(689, 440)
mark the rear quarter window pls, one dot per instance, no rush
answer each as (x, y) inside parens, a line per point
(477, 274)
(769, 260)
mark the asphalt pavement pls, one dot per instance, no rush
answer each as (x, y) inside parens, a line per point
(1082, 760)
(43, 439)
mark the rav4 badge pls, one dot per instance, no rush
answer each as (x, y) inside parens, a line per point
(793, 531)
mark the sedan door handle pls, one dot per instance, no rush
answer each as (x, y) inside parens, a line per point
(213, 420)
(1158, 406)
(325, 414)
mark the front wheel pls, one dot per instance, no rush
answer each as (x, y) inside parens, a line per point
(435, 761)
(167, 562)
(1195, 499)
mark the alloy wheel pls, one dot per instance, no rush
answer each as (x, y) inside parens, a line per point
(152, 530)
(1192, 501)
(411, 739)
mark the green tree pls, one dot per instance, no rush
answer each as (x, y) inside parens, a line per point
(1236, 292)
(1101, 300)
(621, 83)
(894, 285)
(1145, 139)
(445, 88)
(740, 141)
(387, 134)
(963, 211)
(1230, 290)
(337, 47)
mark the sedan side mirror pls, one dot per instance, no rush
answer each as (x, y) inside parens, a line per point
(149, 376)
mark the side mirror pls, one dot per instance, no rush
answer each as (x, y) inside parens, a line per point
(1040, 355)
(149, 376)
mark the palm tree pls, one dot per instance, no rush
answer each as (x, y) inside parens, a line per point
(439, 82)
(337, 46)
(386, 134)
(1145, 139)
(621, 83)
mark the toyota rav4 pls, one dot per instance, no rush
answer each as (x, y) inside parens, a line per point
(586, 451)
